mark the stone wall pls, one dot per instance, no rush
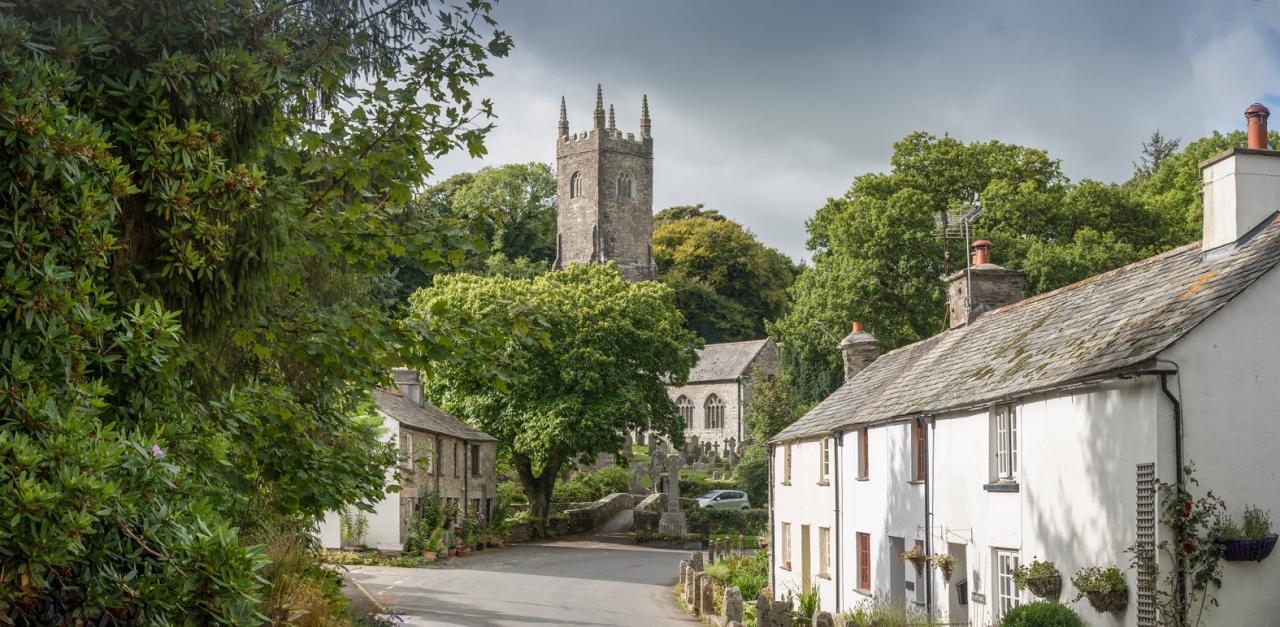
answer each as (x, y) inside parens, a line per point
(648, 512)
(598, 513)
(441, 464)
(698, 394)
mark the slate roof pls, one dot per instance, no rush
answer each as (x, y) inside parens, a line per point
(427, 417)
(726, 361)
(1102, 324)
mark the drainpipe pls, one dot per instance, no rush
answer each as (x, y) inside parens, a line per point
(1177, 458)
(839, 563)
(466, 476)
(740, 431)
(928, 511)
(773, 551)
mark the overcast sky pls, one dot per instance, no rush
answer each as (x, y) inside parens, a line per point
(762, 110)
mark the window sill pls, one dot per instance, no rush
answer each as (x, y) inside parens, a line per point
(862, 478)
(1001, 486)
(863, 591)
(824, 482)
(824, 576)
(786, 483)
(916, 482)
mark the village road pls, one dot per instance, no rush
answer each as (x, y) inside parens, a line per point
(585, 581)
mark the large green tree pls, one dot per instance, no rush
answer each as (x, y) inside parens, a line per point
(727, 283)
(595, 368)
(200, 197)
(878, 254)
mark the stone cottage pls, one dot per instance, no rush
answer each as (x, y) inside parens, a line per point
(1037, 428)
(713, 401)
(439, 453)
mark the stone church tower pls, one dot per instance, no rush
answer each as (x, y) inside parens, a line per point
(604, 194)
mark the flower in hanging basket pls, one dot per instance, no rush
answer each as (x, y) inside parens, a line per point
(917, 558)
(1105, 588)
(945, 563)
(1252, 541)
(1041, 577)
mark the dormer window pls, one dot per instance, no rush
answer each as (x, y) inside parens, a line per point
(626, 185)
(575, 185)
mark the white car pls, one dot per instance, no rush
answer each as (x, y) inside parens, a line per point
(724, 499)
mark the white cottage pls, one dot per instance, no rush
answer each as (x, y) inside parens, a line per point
(1035, 429)
(713, 400)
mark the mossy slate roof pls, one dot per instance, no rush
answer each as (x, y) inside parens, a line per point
(726, 361)
(427, 417)
(1106, 323)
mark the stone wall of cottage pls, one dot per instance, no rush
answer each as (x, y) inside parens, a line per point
(442, 463)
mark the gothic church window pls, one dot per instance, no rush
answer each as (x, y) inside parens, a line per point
(686, 410)
(575, 185)
(625, 185)
(714, 413)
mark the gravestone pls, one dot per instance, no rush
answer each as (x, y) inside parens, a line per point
(673, 521)
(733, 604)
(636, 483)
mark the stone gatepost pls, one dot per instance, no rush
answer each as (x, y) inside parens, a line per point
(684, 571)
(695, 561)
(823, 619)
(691, 589)
(732, 604)
(779, 615)
(762, 607)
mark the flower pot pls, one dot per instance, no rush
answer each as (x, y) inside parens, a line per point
(453, 552)
(1247, 550)
(499, 544)
(1114, 601)
(430, 556)
(464, 552)
(1045, 587)
(919, 563)
(946, 573)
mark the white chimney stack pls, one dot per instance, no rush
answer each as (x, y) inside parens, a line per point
(1241, 185)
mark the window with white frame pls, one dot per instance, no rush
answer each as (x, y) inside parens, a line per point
(786, 545)
(824, 551)
(686, 410)
(825, 466)
(714, 408)
(406, 448)
(1006, 593)
(786, 463)
(1004, 426)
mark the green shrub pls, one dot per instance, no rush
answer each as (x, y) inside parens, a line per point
(1098, 579)
(578, 490)
(752, 475)
(879, 612)
(1042, 614)
(611, 480)
(1256, 525)
(806, 604)
(749, 522)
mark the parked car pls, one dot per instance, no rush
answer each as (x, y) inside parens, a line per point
(724, 499)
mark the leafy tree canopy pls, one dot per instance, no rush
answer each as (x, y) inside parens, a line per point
(727, 283)
(594, 368)
(200, 197)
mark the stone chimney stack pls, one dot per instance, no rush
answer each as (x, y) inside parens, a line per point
(1241, 185)
(858, 350)
(981, 287)
(409, 384)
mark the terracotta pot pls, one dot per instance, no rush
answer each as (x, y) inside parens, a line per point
(464, 552)
(453, 552)
(430, 556)
(1114, 601)
(1045, 587)
(499, 544)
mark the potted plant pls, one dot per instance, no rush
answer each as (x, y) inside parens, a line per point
(1105, 588)
(463, 550)
(433, 545)
(945, 563)
(917, 558)
(1251, 541)
(1041, 577)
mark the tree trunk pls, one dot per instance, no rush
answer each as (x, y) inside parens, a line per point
(538, 489)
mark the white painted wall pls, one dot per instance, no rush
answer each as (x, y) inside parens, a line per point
(804, 501)
(384, 521)
(1230, 388)
(1240, 192)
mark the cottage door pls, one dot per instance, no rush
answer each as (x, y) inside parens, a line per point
(805, 569)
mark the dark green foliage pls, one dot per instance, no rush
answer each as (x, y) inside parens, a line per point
(694, 485)
(592, 486)
(199, 198)
(1041, 614)
(752, 474)
(748, 522)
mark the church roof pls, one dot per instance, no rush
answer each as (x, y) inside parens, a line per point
(427, 417)
(726, 361)
(1098, 326)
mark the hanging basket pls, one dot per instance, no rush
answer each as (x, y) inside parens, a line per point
(1045, 587)
(919, 563)
(1247, 550)
(946, 574)
(1114, 601)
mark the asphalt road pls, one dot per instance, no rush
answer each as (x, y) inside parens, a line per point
(586, 581)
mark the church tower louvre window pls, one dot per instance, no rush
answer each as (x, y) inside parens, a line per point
(604, 193)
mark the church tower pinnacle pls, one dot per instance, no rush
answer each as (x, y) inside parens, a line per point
(604, 194)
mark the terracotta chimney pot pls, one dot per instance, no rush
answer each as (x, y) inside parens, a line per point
(1256, 121)
(856, 326)
(982, 252)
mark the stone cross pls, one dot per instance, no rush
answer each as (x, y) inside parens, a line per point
(673, 482)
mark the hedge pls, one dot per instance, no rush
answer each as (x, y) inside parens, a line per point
(748, 522)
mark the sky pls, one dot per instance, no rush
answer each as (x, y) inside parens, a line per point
(763, 110)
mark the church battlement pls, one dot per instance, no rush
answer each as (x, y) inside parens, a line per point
(604, 193)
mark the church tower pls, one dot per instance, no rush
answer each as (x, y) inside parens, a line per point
(604, 194)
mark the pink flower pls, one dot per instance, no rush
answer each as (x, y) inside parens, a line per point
(156, 451)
